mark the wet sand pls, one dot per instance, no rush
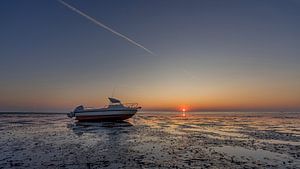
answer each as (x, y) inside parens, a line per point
(152, 140)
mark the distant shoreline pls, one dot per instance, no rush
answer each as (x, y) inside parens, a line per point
(42, 113)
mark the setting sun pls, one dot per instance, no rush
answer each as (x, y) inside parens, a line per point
(183, 108)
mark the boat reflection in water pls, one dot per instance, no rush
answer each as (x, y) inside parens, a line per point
(80, 127)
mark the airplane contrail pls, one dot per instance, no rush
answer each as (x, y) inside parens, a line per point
(104, 26)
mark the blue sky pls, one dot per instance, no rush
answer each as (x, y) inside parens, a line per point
(209, 54)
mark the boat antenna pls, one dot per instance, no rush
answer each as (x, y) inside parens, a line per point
(113, 92)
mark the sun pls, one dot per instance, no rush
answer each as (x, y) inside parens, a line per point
(183, 108)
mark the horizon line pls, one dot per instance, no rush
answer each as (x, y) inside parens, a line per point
(173, 111)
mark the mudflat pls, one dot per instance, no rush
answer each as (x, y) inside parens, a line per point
(152, 140)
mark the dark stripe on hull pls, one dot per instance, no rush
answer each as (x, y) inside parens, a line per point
(104, 118)
(105, 110)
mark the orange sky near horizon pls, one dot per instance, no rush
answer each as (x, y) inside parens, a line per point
(160, 96)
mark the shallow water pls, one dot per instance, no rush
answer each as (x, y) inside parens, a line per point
(152, 140)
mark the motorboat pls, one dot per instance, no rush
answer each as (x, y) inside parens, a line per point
(115, 111)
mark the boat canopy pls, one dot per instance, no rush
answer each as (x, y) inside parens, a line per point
(79, 108)
(113, 100)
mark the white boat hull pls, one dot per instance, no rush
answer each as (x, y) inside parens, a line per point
(111, 115)
(115, 111)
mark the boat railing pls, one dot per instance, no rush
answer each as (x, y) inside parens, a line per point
(131, 105)
(89, 108)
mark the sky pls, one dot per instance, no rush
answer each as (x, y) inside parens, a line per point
(208, 55)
